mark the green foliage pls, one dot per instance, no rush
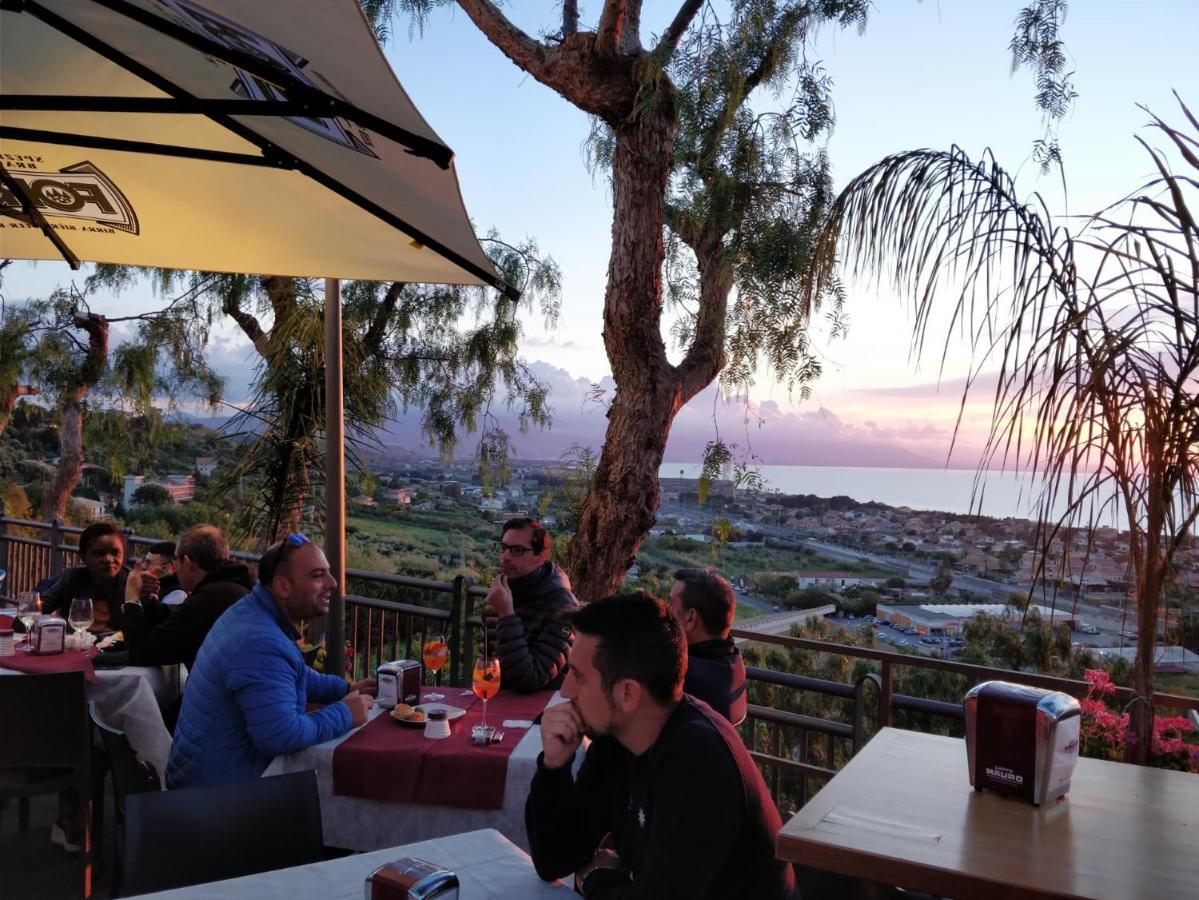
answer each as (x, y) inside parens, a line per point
(809, 598)
(942, 578)
(152, 495)
(774, 584)
(566, 499)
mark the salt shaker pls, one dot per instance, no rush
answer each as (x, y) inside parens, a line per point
(437, 726)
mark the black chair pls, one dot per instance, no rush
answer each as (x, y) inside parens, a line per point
(190, 836)
(129, 776)
(47, 748)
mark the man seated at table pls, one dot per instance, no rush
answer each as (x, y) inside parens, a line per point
(705, 604)
(247, 693)
(154, 580)
(667, 802)
(527, 611)
(213, 583)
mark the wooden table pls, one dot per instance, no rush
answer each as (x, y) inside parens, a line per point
(902, 812)
(487, 866)
(353, 823)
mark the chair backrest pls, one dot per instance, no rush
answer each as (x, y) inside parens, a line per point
(44, 720)
(194, 835)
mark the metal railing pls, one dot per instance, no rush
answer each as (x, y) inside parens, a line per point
(388, 615)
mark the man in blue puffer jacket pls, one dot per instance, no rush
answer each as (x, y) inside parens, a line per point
(246, 695)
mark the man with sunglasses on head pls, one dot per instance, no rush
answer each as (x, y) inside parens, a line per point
(248, 691)
(527, 611)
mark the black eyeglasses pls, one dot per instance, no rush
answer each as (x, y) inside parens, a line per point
(513, 549)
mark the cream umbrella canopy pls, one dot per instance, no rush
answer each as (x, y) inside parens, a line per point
(227, 136)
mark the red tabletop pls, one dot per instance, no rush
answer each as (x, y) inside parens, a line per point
(67, 661)
(396, 763)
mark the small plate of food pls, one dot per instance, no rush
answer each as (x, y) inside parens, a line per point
(416, 716)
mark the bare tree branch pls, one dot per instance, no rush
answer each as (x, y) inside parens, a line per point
(676, 29)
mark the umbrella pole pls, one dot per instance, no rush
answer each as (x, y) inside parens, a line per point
(335, 478)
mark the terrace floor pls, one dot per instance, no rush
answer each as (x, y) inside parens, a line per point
(35, 869)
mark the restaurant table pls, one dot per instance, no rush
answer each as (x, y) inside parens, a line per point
(131, 700)
(902, 812)
(486, 863)
(355, 823)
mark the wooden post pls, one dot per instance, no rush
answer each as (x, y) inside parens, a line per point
(335, 479)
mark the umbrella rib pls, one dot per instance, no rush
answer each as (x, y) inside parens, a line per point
(33, 216)
(103, 143)
(200, 106)
(264, 69)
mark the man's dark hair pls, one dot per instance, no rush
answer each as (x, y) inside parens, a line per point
(163, 548)
(97, 530)
(711, 596)
(638, 639)
(541, 538)
(205, 545)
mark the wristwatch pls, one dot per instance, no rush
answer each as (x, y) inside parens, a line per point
(603, 859)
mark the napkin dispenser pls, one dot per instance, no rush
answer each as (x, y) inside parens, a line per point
(399, 682)
(411, 879)
(1021, 741)
(49, 635)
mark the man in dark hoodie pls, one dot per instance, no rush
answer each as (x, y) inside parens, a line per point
(528, 610)
(213, 583)
(705, 604)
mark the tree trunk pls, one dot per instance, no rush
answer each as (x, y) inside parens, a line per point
(8, 401)
(70, 429)
(1140, 713)
(623, 501)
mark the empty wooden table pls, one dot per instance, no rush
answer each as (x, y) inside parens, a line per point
(902, 812)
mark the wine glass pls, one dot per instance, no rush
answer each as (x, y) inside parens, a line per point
(81, 615)
(29, 607)
(435, 653)
(485, 681)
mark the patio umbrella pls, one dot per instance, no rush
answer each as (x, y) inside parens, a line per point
(226, 136)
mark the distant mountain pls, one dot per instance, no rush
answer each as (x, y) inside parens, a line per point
(816, 438)
(812, 438)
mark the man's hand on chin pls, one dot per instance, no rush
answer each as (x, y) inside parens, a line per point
(499, 597)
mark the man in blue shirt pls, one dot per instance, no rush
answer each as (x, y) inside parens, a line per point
(248, 691)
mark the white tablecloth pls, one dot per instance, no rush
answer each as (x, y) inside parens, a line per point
(487, 865)
(131, 700)
(356, 824)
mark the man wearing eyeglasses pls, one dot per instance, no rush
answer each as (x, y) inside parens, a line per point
(527, 611)
(213, 583)
(247, 695)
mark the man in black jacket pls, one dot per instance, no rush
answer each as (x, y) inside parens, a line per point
(667, 802)
(213, 582)
(527, 611)
(705, 604)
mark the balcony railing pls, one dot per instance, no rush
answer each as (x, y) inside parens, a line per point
(387, 615)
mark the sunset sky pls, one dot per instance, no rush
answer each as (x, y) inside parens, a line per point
(925, 74)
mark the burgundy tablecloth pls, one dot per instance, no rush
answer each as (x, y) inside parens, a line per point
(398, 764)
(67, 661)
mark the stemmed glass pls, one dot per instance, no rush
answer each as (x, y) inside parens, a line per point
(485, 681)
(81, 615)
(29, 607)
(435, 652)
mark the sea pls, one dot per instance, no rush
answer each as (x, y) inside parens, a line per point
(1000, 495)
